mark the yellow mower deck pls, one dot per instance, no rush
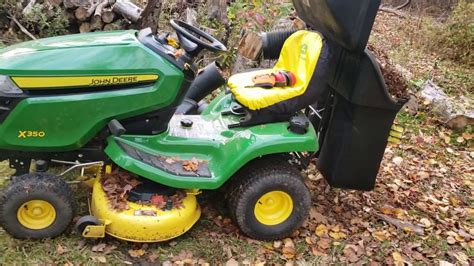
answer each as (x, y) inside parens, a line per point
(127, 225)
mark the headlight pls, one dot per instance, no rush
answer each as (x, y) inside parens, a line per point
(7, 86)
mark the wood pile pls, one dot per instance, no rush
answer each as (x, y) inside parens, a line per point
(96, 15)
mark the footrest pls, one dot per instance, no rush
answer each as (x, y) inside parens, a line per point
(172, 165)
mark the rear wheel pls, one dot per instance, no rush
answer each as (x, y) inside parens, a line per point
(269, 200)
(36, 206)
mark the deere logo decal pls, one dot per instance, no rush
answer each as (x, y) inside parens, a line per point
(81, 81)
(23, 134)
(303, 52)
(113, 81)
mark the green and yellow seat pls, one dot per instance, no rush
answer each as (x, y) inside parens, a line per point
(304, 55)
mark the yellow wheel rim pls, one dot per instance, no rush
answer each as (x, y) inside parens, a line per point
(273, 208)
(36, 214)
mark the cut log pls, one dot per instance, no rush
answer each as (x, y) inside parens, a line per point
(117, 25)
(108, 16)
(151, 15)
(96, 23)
(455, 113)
(250, 45)
(85, 27)
(100, 8)
(84, 13)
(128, 10)
(71, 4)
(217, 9)
(54, 3)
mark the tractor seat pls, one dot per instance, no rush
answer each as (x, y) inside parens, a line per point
(299, 55)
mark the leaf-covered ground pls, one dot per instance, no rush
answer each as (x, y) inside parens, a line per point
(421, 211)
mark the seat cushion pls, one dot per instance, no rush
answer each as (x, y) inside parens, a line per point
(299, 55)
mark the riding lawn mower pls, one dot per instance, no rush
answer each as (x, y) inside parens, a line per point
(126, 109)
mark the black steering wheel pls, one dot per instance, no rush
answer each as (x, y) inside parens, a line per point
(193, 40)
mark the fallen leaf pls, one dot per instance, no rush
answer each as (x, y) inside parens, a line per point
(99, 247)
(398, 259)
(397, 161)
(60, 249)
(100, 259)
(324, 243)
(337, 235)
(232, 262)
(288, 243)
(451, 240)
(317, 216)
(277, 244)
(425, 222)
(321, 230)
(445, 263)
(350, 254)
(454, 201)
(153, 257)
(289, 252)
(136, 253)
(191, 165)
(380, 235)
(317, 251)
(158, 201)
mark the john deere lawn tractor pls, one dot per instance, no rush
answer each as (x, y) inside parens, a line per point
(125, 109)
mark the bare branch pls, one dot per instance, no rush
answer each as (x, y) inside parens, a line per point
(23, 29)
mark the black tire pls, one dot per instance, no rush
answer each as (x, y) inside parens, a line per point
(255, 180)
(85, 221)
(43, 187)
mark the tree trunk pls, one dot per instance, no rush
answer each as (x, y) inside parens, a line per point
(151, 15)
(217, 9)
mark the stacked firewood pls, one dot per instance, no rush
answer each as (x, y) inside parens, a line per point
(96, 15)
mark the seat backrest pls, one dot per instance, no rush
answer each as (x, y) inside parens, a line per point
(300, 55)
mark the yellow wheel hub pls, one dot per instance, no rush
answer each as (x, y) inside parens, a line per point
(36, 214)
(273, 208)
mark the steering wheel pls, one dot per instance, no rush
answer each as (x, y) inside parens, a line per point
(191, 39)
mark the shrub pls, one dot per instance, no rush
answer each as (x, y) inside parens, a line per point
(454, 39)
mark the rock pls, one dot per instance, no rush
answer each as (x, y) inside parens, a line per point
(412, 106)
(455, 113)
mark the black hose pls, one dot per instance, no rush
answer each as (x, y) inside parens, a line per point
(273, 41)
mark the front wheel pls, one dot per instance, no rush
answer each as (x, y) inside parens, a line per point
(36, 206)
(269, 200)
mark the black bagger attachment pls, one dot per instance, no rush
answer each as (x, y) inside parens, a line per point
(357, 126)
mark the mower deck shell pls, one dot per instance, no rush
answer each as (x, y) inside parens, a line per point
(126, 225)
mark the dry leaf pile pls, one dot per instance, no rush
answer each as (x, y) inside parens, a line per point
(397, 85)
(116, 186)
(167, 202)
